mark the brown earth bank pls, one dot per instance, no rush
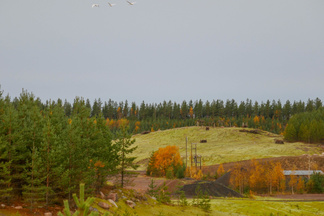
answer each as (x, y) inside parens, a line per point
(302, 162)
(26, 211)
(141, 183)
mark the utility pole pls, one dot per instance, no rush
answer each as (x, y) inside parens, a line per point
(309, 166)
(191, 157)
(186, 150)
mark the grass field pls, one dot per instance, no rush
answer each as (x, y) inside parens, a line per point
(225, 206)
(223, 144)
(222, 207)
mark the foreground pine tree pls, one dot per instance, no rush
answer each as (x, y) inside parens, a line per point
(124, 145)
(34, 190)
(83, 206)
(5, 182)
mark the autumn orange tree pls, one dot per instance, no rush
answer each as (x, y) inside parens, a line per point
(220, 170)
(239, 177)
(166, 159)
(257, 177)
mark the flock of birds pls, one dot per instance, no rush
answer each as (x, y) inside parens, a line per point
(111, 5)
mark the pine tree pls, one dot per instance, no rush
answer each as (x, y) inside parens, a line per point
(5, 181)
(125, 143)
(34, 190)
(6, 151)
(49, 153)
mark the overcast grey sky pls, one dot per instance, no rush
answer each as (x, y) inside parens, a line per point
(161, 50)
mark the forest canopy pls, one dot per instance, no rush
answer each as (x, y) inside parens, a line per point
(306, 127)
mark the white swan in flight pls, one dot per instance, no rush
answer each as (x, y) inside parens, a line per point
(131, 3)
(95, 5)
(111, 5)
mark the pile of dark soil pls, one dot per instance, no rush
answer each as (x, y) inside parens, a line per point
(224, 179)
(211, 188)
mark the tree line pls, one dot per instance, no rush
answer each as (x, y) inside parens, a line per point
(270, 115)
(45, 154)
(306, 127)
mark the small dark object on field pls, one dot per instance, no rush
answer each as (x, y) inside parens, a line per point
(207, 128)
(203, 141)
(250, 131)
(279, 141)
(145, 132)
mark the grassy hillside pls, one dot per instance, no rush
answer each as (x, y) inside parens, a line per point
(223, 144)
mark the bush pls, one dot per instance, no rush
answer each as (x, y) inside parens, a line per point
(169, 173)
(201, 200)
(316, 183)
(180, 173)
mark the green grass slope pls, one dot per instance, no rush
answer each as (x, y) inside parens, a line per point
(223, 145)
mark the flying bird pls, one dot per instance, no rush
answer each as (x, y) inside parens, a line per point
(131, 3)
(95, 5)
(111, 5)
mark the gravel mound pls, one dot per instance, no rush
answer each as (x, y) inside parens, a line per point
(212, 188)
(224, 179)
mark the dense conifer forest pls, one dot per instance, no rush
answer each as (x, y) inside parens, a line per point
(47, 149)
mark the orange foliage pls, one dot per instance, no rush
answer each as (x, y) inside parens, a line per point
(300, 185)
(199, 175)
(138, 123)
(293, 180)
(279, 176)
(259, 177)
(167, 157)
(256, 120)
(191, 112)
(238, 177)
(99, 164)
(256, 175)
(122, 123)
(220, 170)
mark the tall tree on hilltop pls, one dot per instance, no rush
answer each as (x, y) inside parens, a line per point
(96, 108)
(142, 111)
(126, 109)
(88, 104)
(310, 105)
(184, 110)
(318, 103)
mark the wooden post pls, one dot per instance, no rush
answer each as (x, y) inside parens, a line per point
(191, 157)
(196, 156)
(186, 150)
